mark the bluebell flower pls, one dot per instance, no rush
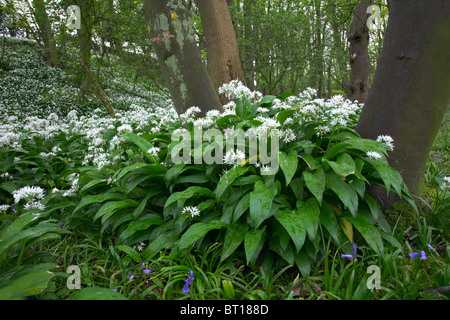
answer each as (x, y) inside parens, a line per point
(430, 246)
(147, 271)
(413, 255)
(188, 281)
(351, 256)
(422, 255)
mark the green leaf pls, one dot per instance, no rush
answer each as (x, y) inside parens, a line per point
(26, 285)
(241, 207)
(139, 225)
(293, 222)
(261, 200)
(346, 193)
(228, 178)
(253, 243)
(228, 288)
(303, 262)
(315, 182)
(329, 221)
(96, 293)
(288, 164)
(373, 206)
(310, 212)
(189, 193)
(343, 166)
(390, 176)
(369, 232)
(112, 207)
(197, 231)
(233, 238)
(309, 160)
(162, 241)
(90, 199)
(130, 252)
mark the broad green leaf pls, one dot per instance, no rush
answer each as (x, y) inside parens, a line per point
(90, 199)
(373, 206)
(142, 143)
(228, 178)
(241, 207)
(228, 288)
(390, 176)
(329, 221)
(253, 242)
(162, 241)
(261, 200)
(233, 238)
(26, 285)
(112, 207)
(91, 184)
(309, 160)
(96, 293)
(343, 166)
(346, 193)
(369, 232)
(189, 193)
(310, 212)
(293, 222)
(197, 231)
(315, 182)
(139, 225)
(303, 262)
(288, 164)
(130, 252)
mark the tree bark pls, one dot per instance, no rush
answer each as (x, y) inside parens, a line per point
(45, 31)
(411, 88)
(224, 63)
(359, 54)
(179, 58)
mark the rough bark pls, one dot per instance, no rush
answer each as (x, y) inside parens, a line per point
(359, 54)
(411, 88)
(224, 63)
(46, 34)
(99, 90)
(180, 61)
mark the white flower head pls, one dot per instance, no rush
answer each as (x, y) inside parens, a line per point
(193, 211)
(373, 155)
(387, 141)
(28, 193)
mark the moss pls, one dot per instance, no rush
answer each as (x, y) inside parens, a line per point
(402, 216)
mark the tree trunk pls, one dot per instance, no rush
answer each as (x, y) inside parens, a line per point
(45, 31)
(222, 51)
(179, 58)
(411, 88)
(359, 54)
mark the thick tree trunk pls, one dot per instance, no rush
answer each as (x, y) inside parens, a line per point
(45, 31)
(179, 58)
(411, 88)
(224, 63)
(359, 54)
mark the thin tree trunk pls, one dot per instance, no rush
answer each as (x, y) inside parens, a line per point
(411, 88)
(224, 63)
(45, 31)
(179, 57)
(99, 90)
(359, 54)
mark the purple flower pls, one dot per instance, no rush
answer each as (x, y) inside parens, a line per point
(147, 271)
(413, 255)
(351, 256)
(422, 255)
(130, 276)
(188, 281)
(429, 246)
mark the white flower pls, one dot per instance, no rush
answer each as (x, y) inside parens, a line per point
(34, 205)
(28, 193)
(373, 155)
(446, 184)
(387, 141)
(124, 128)
(193, 211)
(154, 151)
(4, 208)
